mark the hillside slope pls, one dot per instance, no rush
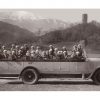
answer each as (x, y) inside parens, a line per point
(12, 33)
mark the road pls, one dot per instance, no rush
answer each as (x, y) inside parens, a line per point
(49, 85)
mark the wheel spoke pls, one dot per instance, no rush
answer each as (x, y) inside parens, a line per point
(29, 76)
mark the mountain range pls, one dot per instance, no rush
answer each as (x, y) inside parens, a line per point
(36, 24)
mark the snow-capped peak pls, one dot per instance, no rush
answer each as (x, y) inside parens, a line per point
(22, 15)
(19, 15)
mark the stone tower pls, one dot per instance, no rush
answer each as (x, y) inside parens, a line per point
(84, 18)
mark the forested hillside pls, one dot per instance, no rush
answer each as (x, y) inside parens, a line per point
(88, 32)
(13, 34)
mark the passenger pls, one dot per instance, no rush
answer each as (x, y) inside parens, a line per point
(38, 53)
(74, 55)
(51, 52)
(80, 50)
(3, 48)
(32, 51)
(0, 46)
(81, 53)
(44, 55)
(47, 54)
(0, 51)
(17, 49)
(20, 53)
(56, 53)
(12, 47)
(10, 55)
(27, 55)
(65, 53)
(32, 47)
(25, 49)
(14, 57)
(5, 55)
(60, 55)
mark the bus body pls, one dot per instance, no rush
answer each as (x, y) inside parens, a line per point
(12, 68)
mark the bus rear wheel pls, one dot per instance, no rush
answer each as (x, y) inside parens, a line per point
(29, 76)
(96, 77)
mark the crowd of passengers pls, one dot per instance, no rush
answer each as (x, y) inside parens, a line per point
(25, 52)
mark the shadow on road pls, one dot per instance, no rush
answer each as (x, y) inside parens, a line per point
(16, 83)
(59, 82)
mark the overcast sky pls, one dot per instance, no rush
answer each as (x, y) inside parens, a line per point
(68, 15)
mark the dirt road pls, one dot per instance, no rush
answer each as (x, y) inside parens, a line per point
(49, 85)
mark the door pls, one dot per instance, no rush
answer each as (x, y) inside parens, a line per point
(4, 67)
(73, 68)
(64, 67)
(83, 67)
(68, 67)
(15, 67)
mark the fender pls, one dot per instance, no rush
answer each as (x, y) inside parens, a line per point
(28, 67)
(90, 76)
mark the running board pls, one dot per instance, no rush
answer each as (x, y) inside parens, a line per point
(82, 76)
(9, 77)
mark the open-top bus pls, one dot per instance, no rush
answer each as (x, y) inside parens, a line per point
(31, 71)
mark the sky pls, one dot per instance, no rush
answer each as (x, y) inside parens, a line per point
(68, 15)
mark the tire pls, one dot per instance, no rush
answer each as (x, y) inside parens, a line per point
(96, 77)
(29, 76)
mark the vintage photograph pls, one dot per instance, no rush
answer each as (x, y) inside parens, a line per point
(49, 49)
